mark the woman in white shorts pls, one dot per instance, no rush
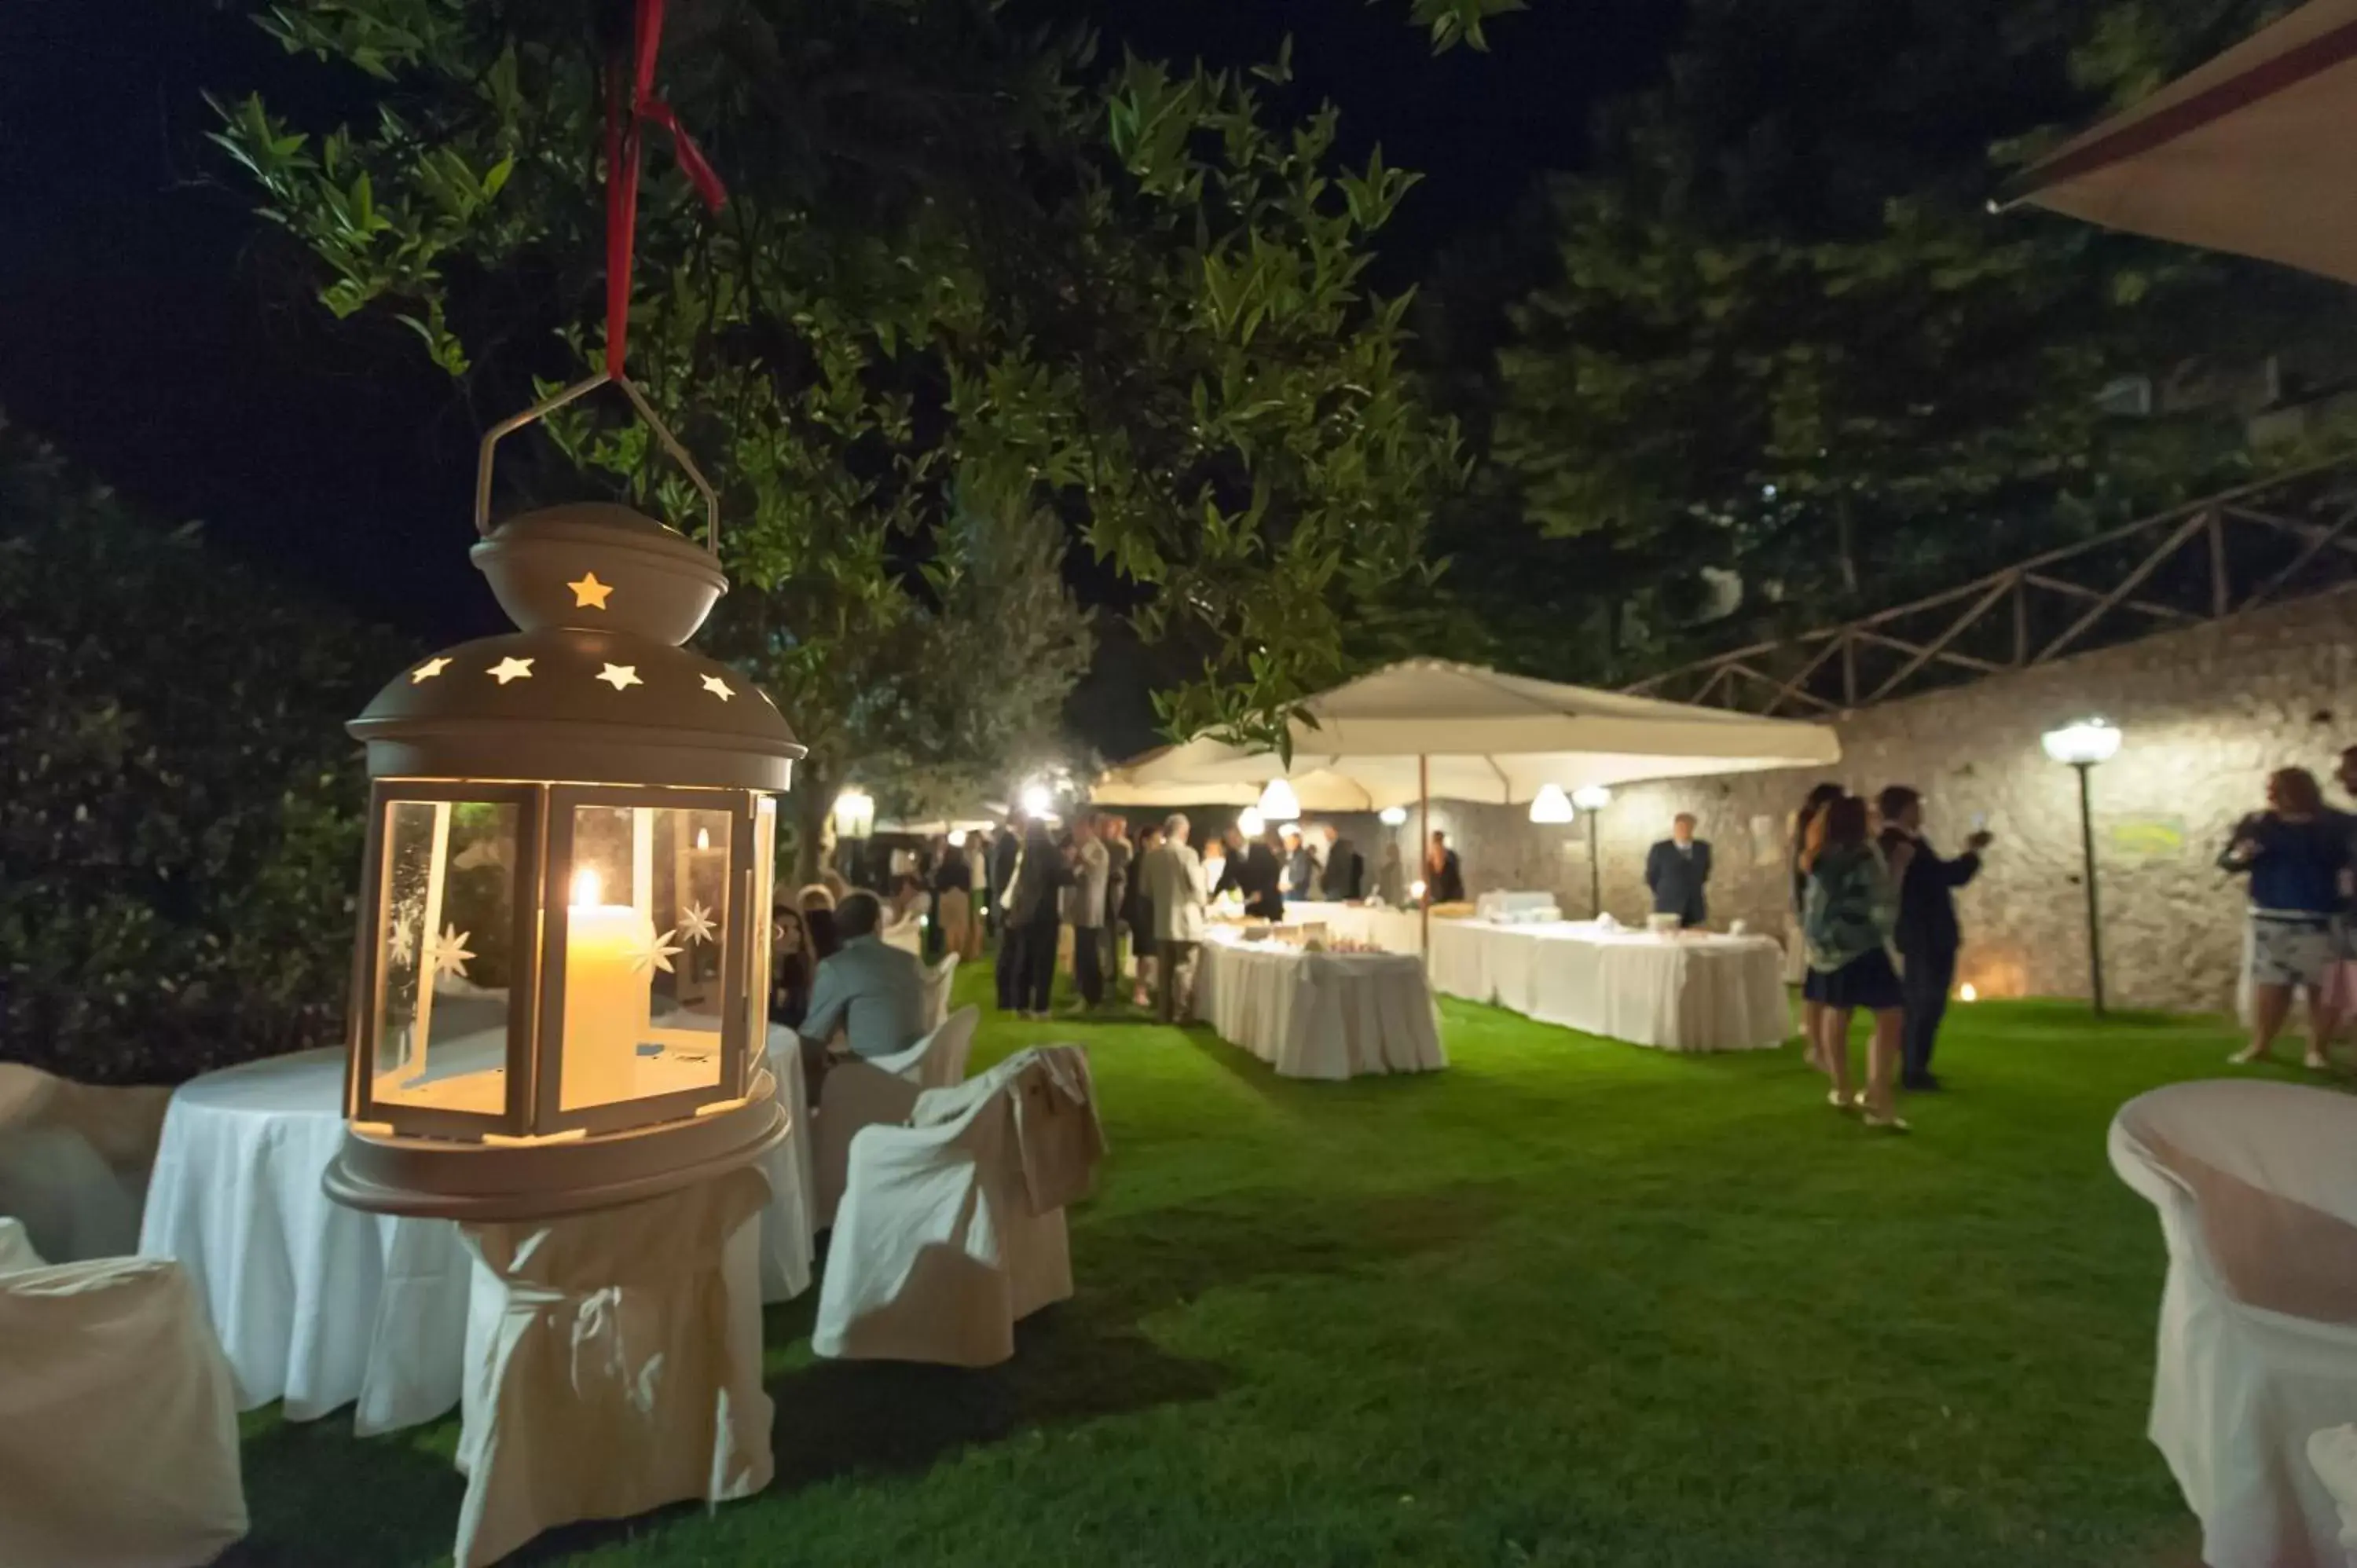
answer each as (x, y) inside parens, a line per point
(2296, 853)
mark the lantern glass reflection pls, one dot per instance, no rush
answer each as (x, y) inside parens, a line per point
(448, 960)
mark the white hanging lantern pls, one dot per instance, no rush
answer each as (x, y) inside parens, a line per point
(1278, 803)
(1592, 797)
(561, 980)
(1249, 824)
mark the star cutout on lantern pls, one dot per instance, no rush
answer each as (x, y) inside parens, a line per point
(589, 594)
(717, 687)
(510, 669)
(620, 675)
(450, 954)
(427, 671)
(404, 943)
(695, 923)
(656, 954)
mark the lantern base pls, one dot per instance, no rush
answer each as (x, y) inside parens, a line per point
(438, 1178)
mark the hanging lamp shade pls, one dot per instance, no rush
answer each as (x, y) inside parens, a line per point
(1551, 804)
(1278, 803)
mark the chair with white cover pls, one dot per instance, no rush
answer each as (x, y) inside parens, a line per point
(616, 1364)
(939, 979)
(952, 1229)
(882, 1090)
(2332, 1454)
(74, 1160)
(2257, 1186)
(118, 1425)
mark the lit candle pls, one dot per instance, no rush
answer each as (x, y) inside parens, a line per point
(606, 1005)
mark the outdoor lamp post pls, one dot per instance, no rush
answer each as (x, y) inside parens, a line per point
(855, 814)
(1592, 798)
(2082, 745)
(562, 975)
(1393, 816)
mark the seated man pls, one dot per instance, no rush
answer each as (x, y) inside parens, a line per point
(870, 991)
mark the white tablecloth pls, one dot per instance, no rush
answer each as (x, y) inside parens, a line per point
(1316, 1014)
(1679, 994)
(320, 1305)
(315, 1305)
(1394, 931)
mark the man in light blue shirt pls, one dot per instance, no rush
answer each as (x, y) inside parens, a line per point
(872, 992)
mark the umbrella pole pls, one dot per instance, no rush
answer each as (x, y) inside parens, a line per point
(1423, 851)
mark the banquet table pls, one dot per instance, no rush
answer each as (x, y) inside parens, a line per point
(1394, 931)
(319, 1306)
(1690, 991)
(1319, 1015)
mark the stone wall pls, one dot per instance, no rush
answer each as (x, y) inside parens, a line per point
(2206, 714)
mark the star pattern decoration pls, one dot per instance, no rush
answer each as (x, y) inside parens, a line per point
(510, 669)
(427, 671)
(657, 954)
(403, 944)
(695, 923)
(717, 687)
(589, 594)
(620, 675)
(449, 952)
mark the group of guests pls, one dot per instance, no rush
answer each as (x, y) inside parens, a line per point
(1878, 916)
(1045, 883)
(2300, 855)
(837, 983)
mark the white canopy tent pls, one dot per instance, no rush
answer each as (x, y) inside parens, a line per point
(1426, 727)
(2245, 154)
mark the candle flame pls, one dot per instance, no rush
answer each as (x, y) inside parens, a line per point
(1965, 992)
(585, 889)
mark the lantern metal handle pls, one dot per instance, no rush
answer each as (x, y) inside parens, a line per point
(556, 401)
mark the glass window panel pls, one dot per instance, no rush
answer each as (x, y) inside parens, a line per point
(447, 922)
(757, 993)
(646, 936)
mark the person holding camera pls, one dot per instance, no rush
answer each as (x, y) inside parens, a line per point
(2296, 853)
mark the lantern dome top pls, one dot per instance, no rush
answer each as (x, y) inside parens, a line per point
(595, 689)
(595, 566)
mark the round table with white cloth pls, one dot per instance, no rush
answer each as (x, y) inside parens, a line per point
(1319, 1015)
(1688, 992)
(319, 1306)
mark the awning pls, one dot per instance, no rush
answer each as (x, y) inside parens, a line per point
(1474, 735)
(2250, 152)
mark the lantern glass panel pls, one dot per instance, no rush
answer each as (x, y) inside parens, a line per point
(646, 943)
(447, 922)
(764, 858)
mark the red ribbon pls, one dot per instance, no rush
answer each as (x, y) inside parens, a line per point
(630, 103)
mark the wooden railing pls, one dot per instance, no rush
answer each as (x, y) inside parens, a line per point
(2225, 555)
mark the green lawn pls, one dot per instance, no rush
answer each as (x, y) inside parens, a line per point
(1570, 1301)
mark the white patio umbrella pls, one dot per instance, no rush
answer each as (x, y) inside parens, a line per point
(2247, 152)
(1426, 727)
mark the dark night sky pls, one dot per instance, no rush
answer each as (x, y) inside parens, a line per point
(145, 331)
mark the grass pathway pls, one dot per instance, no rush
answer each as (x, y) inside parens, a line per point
(1569, 1302)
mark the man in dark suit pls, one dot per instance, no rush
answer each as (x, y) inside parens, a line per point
(1444, 874)
(1253, 872)
(1927, 934)
(1676, 869)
